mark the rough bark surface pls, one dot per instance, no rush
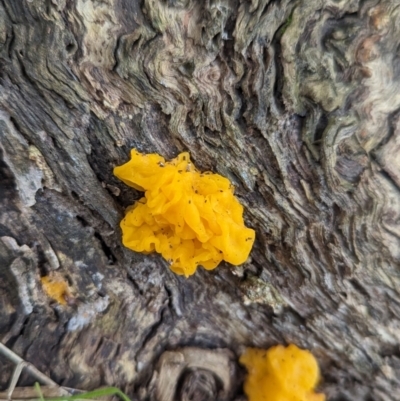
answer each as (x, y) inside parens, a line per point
(296, 101)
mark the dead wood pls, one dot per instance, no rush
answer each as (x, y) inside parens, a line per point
(296, 102)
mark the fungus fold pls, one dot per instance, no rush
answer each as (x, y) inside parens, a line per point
(281, 374)
(188, 217)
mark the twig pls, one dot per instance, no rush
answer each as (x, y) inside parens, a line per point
(37, 374)
(21, 364)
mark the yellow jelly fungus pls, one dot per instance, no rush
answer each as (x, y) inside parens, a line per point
(55, 288)
(281, 374)
(190, 218)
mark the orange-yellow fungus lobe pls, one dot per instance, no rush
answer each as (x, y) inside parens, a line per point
(55, 288)
(281, 374)
(190, 218)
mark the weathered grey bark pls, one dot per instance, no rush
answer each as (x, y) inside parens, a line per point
(295, 101)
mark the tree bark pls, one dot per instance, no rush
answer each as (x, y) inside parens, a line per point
(296, 102)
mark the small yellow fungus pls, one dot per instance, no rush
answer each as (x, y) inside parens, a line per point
(55, 288)
(190, 218)
(281, 374)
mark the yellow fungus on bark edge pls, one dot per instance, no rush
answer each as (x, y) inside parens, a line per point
(55, 288)
(281, 374)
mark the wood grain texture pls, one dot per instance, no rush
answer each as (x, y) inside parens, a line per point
(295, 101)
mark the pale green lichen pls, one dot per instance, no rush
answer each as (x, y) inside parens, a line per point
(261, 292)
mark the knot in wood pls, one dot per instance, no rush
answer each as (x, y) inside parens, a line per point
(198, 385)
(195, 374)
